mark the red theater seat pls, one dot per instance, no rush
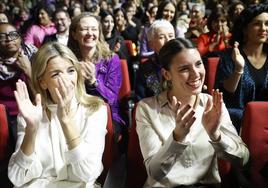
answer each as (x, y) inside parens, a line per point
(255, 135)
(211, 69)
(3, 132)
(125, 89)
(109, 151)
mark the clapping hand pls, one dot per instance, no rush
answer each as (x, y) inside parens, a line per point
(30, 112)
(238, 58)
(24, 63)
(184, 117)
(64, 94)
(212, 115)
(88, 71)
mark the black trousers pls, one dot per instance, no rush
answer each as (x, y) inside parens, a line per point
(200, 185)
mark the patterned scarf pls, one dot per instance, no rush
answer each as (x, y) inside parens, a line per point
(8, 68)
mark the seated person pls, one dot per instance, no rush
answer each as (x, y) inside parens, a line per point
(217, 39)
(61, 136)
(182, 131)
(148, 76)
(242, 74)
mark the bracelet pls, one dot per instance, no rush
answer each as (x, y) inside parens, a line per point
(72, 140)
(239, 72)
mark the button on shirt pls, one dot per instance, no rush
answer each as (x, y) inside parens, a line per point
(194, 160)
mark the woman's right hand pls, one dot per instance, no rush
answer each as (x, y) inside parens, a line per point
(30, 112)
(88, 71)
(184, 117)
(238, 58)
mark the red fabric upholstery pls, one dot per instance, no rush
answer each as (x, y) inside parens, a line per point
(136, 171)
(255, 135)
(109, 150)
(3, 131)
(211, 69)
(125, 89)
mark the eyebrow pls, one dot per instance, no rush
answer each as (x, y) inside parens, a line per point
(184, 66)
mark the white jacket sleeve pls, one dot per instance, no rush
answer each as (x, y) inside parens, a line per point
(21, 168)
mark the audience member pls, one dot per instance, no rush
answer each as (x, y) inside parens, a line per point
(167, 10)
(112, 36)
(242, 74)
(41, 27)
(100, 66)
(61, 136)
(182, 131)
(62, 22)
(198, 23)
(149, 74)
(127, 31)
(14, 65)
(217, 39)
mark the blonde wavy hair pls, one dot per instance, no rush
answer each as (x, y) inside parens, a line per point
(39, 64)
(102, 48)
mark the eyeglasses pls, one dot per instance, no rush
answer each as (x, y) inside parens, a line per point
(13, 35)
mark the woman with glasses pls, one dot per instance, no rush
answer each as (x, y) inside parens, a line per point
(14, 65)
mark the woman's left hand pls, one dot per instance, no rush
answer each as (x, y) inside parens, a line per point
(25, 64)
(212, 115)
(64, 97)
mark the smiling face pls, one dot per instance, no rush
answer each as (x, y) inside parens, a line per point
(44, 18)
(186, 72)
(257, 30)
(161, 36)
(169, 12)
(108, 24)
(87, 32)
(58, 69)
(62, 22)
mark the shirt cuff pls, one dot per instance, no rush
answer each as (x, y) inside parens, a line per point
(24, 160)
(76, 153)
(220, 145)
(174, 146)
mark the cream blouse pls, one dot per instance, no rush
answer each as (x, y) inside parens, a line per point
(52, 164)
(170, 163)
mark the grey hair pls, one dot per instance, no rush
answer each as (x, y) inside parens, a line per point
(156, 25)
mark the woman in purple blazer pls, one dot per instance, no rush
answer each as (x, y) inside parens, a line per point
(101, 67)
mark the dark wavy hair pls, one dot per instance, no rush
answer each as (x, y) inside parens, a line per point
(171, 48)
(246, 16)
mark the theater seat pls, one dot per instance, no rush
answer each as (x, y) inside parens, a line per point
(125, 89)
(109, 151)
(211, 69)
(3, 132)
(255, 135)
(136, 171)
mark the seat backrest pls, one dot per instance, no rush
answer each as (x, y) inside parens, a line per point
(136, 171)
(125, 89)
(131, 46)
(255, 135)
(3, 132)
(211, 69)
(108, 156)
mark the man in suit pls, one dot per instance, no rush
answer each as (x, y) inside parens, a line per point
(62, 22)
